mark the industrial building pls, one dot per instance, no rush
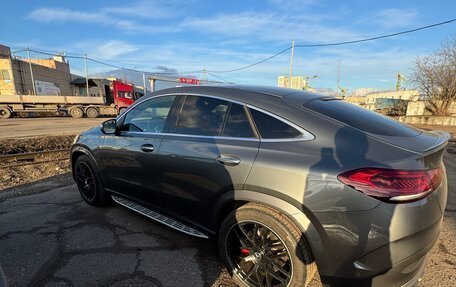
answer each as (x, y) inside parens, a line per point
(299, 83)
(50, 76)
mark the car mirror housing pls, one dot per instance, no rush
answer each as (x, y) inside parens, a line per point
(109, 126)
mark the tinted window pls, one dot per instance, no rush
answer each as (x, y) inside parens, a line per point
(202, 116)
(361, 118)
(272, 128)
(149, 116)
(237, 125)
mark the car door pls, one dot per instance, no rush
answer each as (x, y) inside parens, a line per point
(210, 151)
(129, 158)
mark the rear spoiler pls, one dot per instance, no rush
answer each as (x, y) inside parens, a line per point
(441, 141)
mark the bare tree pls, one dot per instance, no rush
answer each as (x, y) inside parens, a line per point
(435, 77)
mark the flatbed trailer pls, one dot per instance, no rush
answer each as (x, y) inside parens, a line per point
(66, 105)
(119, 97)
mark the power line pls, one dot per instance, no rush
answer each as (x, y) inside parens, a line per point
(254, 64)
(376, 38)
(220, 78)
(258, 62)
(107, 64)
(339, 43)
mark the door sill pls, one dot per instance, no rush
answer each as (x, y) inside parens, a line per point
(179, 226)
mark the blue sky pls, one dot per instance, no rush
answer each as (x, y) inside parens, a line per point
(217, 35)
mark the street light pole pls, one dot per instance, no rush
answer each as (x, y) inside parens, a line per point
(338, 80)
(87, 75)
(291, 64)
(31, 71)
(144, 84)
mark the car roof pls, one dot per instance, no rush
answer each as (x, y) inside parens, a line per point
(245, 93)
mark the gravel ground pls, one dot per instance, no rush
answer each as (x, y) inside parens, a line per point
(12, 176)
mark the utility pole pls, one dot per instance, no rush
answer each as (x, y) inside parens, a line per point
(87, 74)
(205, 76)
(31, 71)
(291, 64)
(338, 80)
(152, 84)
(144, 84)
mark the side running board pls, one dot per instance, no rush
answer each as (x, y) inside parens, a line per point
(158, 217)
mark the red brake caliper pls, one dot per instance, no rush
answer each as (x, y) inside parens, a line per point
(245, 252)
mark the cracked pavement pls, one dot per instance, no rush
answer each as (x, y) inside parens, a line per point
(53, 238)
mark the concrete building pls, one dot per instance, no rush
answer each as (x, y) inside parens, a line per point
(360, 101)
(408, 95)
(418, 108)
(97, 87)
(51, 76)
(299, 83)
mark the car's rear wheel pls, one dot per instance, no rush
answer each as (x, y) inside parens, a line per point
(89, 183)
(262, 247)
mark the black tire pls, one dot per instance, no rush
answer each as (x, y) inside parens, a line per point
(92, 112)
(76, 112)
(89, 183)
(281, 248)
(5, 113)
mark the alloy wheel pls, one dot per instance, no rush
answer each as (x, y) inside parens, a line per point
(258, 256)
(85, 180)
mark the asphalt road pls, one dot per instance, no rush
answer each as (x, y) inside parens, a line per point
(53, 238)
(28, 127)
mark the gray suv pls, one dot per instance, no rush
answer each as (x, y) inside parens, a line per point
(295, 186)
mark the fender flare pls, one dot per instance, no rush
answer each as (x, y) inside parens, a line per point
(77, 148)
(302, 217)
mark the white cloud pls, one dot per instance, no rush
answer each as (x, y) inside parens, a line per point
(271, 26)
(124, 18)
(391, 18)
(113, 49)
(59, 15)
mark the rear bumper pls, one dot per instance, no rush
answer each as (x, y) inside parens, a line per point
(385, 246)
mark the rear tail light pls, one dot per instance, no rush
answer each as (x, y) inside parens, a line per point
(393, 185)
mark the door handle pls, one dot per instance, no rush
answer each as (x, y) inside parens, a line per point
(147, 148)
(230, 160)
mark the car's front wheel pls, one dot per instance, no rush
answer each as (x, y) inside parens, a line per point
(89, 183)
(262, 247)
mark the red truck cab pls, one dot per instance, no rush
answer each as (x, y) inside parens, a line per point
(123, 95)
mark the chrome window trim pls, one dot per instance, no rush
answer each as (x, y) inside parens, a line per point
(306, 136)
(119, 117)
(193, 136)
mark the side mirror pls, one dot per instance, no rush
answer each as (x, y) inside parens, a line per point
(109, 127)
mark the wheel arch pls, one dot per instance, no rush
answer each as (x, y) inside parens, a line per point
(313, 233)
(77, 151)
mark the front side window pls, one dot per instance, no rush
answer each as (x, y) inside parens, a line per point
(202, 116)
(272, 128)
(149, 116)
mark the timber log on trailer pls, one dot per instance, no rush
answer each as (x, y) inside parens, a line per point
(119, 98)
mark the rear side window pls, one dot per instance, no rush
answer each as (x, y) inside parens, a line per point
(237, 124)
(361, 118)
(202, 116)
(272, 128)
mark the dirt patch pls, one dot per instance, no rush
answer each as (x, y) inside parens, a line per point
(33, 144)
(42, 166)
